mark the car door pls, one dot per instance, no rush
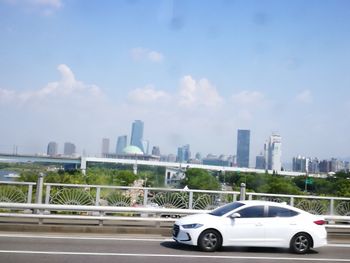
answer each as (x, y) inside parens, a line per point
(279, 225)
(246, 230)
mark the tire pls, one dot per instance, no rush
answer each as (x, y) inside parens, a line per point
(301, 243)
(209, 240)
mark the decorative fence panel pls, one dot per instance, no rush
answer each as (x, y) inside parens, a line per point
(116, 196)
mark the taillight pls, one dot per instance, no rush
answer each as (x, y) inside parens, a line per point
(320, 222)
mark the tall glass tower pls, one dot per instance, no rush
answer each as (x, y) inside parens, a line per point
(52, 149)
(105, 147)
(121, 144)
(243, 143)
(137, 134)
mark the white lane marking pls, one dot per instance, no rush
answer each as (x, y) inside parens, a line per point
(117, 239)
(338, 245)
(89, 238)
(55, 253)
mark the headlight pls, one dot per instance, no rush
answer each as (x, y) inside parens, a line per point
(192, 226)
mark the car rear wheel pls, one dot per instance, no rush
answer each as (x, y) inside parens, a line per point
(210, 240)
(300, 243)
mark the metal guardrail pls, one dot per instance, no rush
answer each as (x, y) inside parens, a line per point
(100, 213)
(184, 199)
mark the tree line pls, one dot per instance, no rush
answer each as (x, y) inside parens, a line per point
(335, 185)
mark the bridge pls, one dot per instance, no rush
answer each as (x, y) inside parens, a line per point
(82, 163)
(89, 223)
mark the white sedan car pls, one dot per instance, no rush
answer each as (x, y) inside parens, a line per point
(252, 224)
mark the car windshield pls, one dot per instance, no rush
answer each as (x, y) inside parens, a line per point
(225, 209)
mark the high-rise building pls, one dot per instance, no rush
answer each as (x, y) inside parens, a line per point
(156, 151)
(273, 153)
(105, 147)
(137, 134)
(183, 153)
(260, 162)
(325, 166)
(69, 149)
(122, 142)
(313, 166)
(243, 143)
(145, 145)
(52, 149)
(300, 164)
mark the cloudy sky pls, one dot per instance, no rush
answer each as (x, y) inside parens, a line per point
(193, 71)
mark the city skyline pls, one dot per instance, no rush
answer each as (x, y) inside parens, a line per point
(194, 71)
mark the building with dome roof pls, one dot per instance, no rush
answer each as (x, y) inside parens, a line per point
(132, 150)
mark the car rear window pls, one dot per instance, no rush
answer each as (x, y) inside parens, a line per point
(274, 211)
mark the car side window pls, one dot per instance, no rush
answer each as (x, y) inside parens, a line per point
(253, 211)
(274, 211)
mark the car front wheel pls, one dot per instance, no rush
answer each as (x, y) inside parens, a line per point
(210, 240)
(300, 243)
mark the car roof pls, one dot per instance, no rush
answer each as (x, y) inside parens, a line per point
(262, 202)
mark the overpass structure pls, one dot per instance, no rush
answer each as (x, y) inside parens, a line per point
(82, 163)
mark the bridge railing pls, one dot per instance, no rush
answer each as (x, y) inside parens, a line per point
(118, 196)
(101, 214)
(136, 196)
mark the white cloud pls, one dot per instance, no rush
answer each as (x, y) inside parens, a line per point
(305, 97)
(147, 94)
(66, 87)
(198, 93)
(140, 53)
(45, 7)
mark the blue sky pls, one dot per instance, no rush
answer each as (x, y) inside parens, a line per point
(193, 71)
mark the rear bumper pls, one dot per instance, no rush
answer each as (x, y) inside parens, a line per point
(320, 239)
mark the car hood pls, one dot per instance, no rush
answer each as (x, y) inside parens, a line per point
(197, 218)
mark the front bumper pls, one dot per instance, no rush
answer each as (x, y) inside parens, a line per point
(186, 236)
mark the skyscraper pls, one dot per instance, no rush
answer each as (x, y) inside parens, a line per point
(300, 164)
(121, 144)
(52, 149)
(273, 153)
(260, 162)
(145, 145)
(183, 153)
(243, 143)
(105, 147)
(137, 134)
(69, 149)
(156, 151)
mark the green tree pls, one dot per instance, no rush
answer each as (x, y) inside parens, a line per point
(200, 179)
(279, 185)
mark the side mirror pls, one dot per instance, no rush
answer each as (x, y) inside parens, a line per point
(235, 215)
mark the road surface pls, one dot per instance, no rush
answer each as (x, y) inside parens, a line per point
(86, 248)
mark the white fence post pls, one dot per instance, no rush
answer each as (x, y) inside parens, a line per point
(39, 189)
(98, 196)
(29, 195)
(190, 201)
(242, 193)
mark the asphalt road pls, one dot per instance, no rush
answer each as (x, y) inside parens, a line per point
(34, 247)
